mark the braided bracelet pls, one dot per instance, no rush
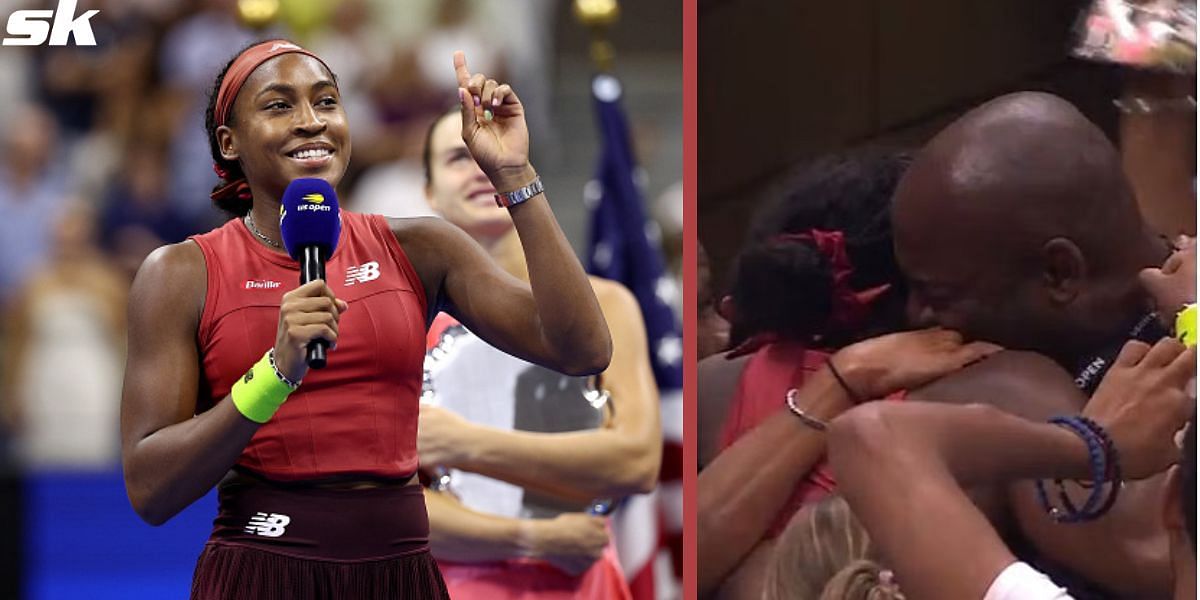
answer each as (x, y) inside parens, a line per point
(1098, 459)
(1113, 473)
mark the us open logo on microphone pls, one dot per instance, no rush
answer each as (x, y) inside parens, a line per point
(314, 202)
(32, 27)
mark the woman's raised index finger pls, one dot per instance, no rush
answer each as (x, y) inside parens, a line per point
(460, 68)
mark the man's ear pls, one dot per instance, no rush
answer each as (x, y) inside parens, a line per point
(1064, 269)
(226, 144)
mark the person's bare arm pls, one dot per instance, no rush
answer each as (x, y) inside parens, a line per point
(619, 459)
(170, 456)
(743, 488)
(555, 321)
(898, 478)
(571, 542)
(1158, 151)
(1033, 387)
(902, 467)
(716, 384)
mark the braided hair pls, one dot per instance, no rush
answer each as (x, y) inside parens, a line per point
(228, 170)
(785, 286)
(826, 554)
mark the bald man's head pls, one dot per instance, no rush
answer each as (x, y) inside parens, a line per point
(1016, 224)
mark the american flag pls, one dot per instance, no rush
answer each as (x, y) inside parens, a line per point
(624, 247)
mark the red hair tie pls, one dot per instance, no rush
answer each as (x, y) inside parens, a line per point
(239, 189)
(850, 309)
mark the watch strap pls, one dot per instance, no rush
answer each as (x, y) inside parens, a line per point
(521, 194)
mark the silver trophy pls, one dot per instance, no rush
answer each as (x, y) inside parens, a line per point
(471, 378)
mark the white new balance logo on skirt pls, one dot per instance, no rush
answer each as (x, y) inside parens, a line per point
(268, 525)
(362, 273)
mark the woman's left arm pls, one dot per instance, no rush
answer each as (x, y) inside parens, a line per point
(619, 459)
(555, 321)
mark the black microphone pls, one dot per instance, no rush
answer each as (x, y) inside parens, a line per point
(311, 224)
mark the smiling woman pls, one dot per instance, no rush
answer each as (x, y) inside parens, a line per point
(315, 469)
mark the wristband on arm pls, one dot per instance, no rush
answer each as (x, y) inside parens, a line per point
(262, 390)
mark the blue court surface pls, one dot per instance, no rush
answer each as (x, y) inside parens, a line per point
(83, 541)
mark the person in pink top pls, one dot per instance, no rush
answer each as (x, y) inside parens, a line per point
(817, 276)
(568, 556)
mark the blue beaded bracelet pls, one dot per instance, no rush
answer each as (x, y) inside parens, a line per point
(1113, 471)
(1098, 459)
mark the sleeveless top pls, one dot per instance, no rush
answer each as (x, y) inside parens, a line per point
(357, 416)
(766, 377)
(768, 374)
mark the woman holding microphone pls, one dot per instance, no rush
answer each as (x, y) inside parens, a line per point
(315, 469)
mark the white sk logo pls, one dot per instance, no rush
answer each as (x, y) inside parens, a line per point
(362, 273)
(268, 525)
(32, 27)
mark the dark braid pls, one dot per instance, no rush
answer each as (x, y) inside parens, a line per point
(784, 286)
(229, 202)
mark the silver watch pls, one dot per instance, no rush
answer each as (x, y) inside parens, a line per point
(521, 194)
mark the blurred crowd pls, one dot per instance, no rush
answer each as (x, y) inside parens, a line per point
(102, 159)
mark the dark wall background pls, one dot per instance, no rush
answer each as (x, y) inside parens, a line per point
(780, 82)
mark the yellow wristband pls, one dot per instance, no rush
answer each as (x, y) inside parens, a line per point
(1185, 325)
(260, 392)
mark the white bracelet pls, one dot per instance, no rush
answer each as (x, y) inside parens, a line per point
(807, 419)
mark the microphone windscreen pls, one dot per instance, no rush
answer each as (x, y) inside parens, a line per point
(309, 216)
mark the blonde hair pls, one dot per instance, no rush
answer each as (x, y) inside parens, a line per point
(825, 554)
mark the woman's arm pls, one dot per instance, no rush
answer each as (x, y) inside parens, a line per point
(717, 380)
(1158, 150)
(619, 459)
(555, 321)
(571, 542)
(893, 466)
(743, 488)
(172, 457)
(902, 466)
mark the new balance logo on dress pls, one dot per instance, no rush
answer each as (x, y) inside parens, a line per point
(362, 273)
(268, 525)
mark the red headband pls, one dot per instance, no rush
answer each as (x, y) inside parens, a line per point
(245, 64)
(235, 77)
